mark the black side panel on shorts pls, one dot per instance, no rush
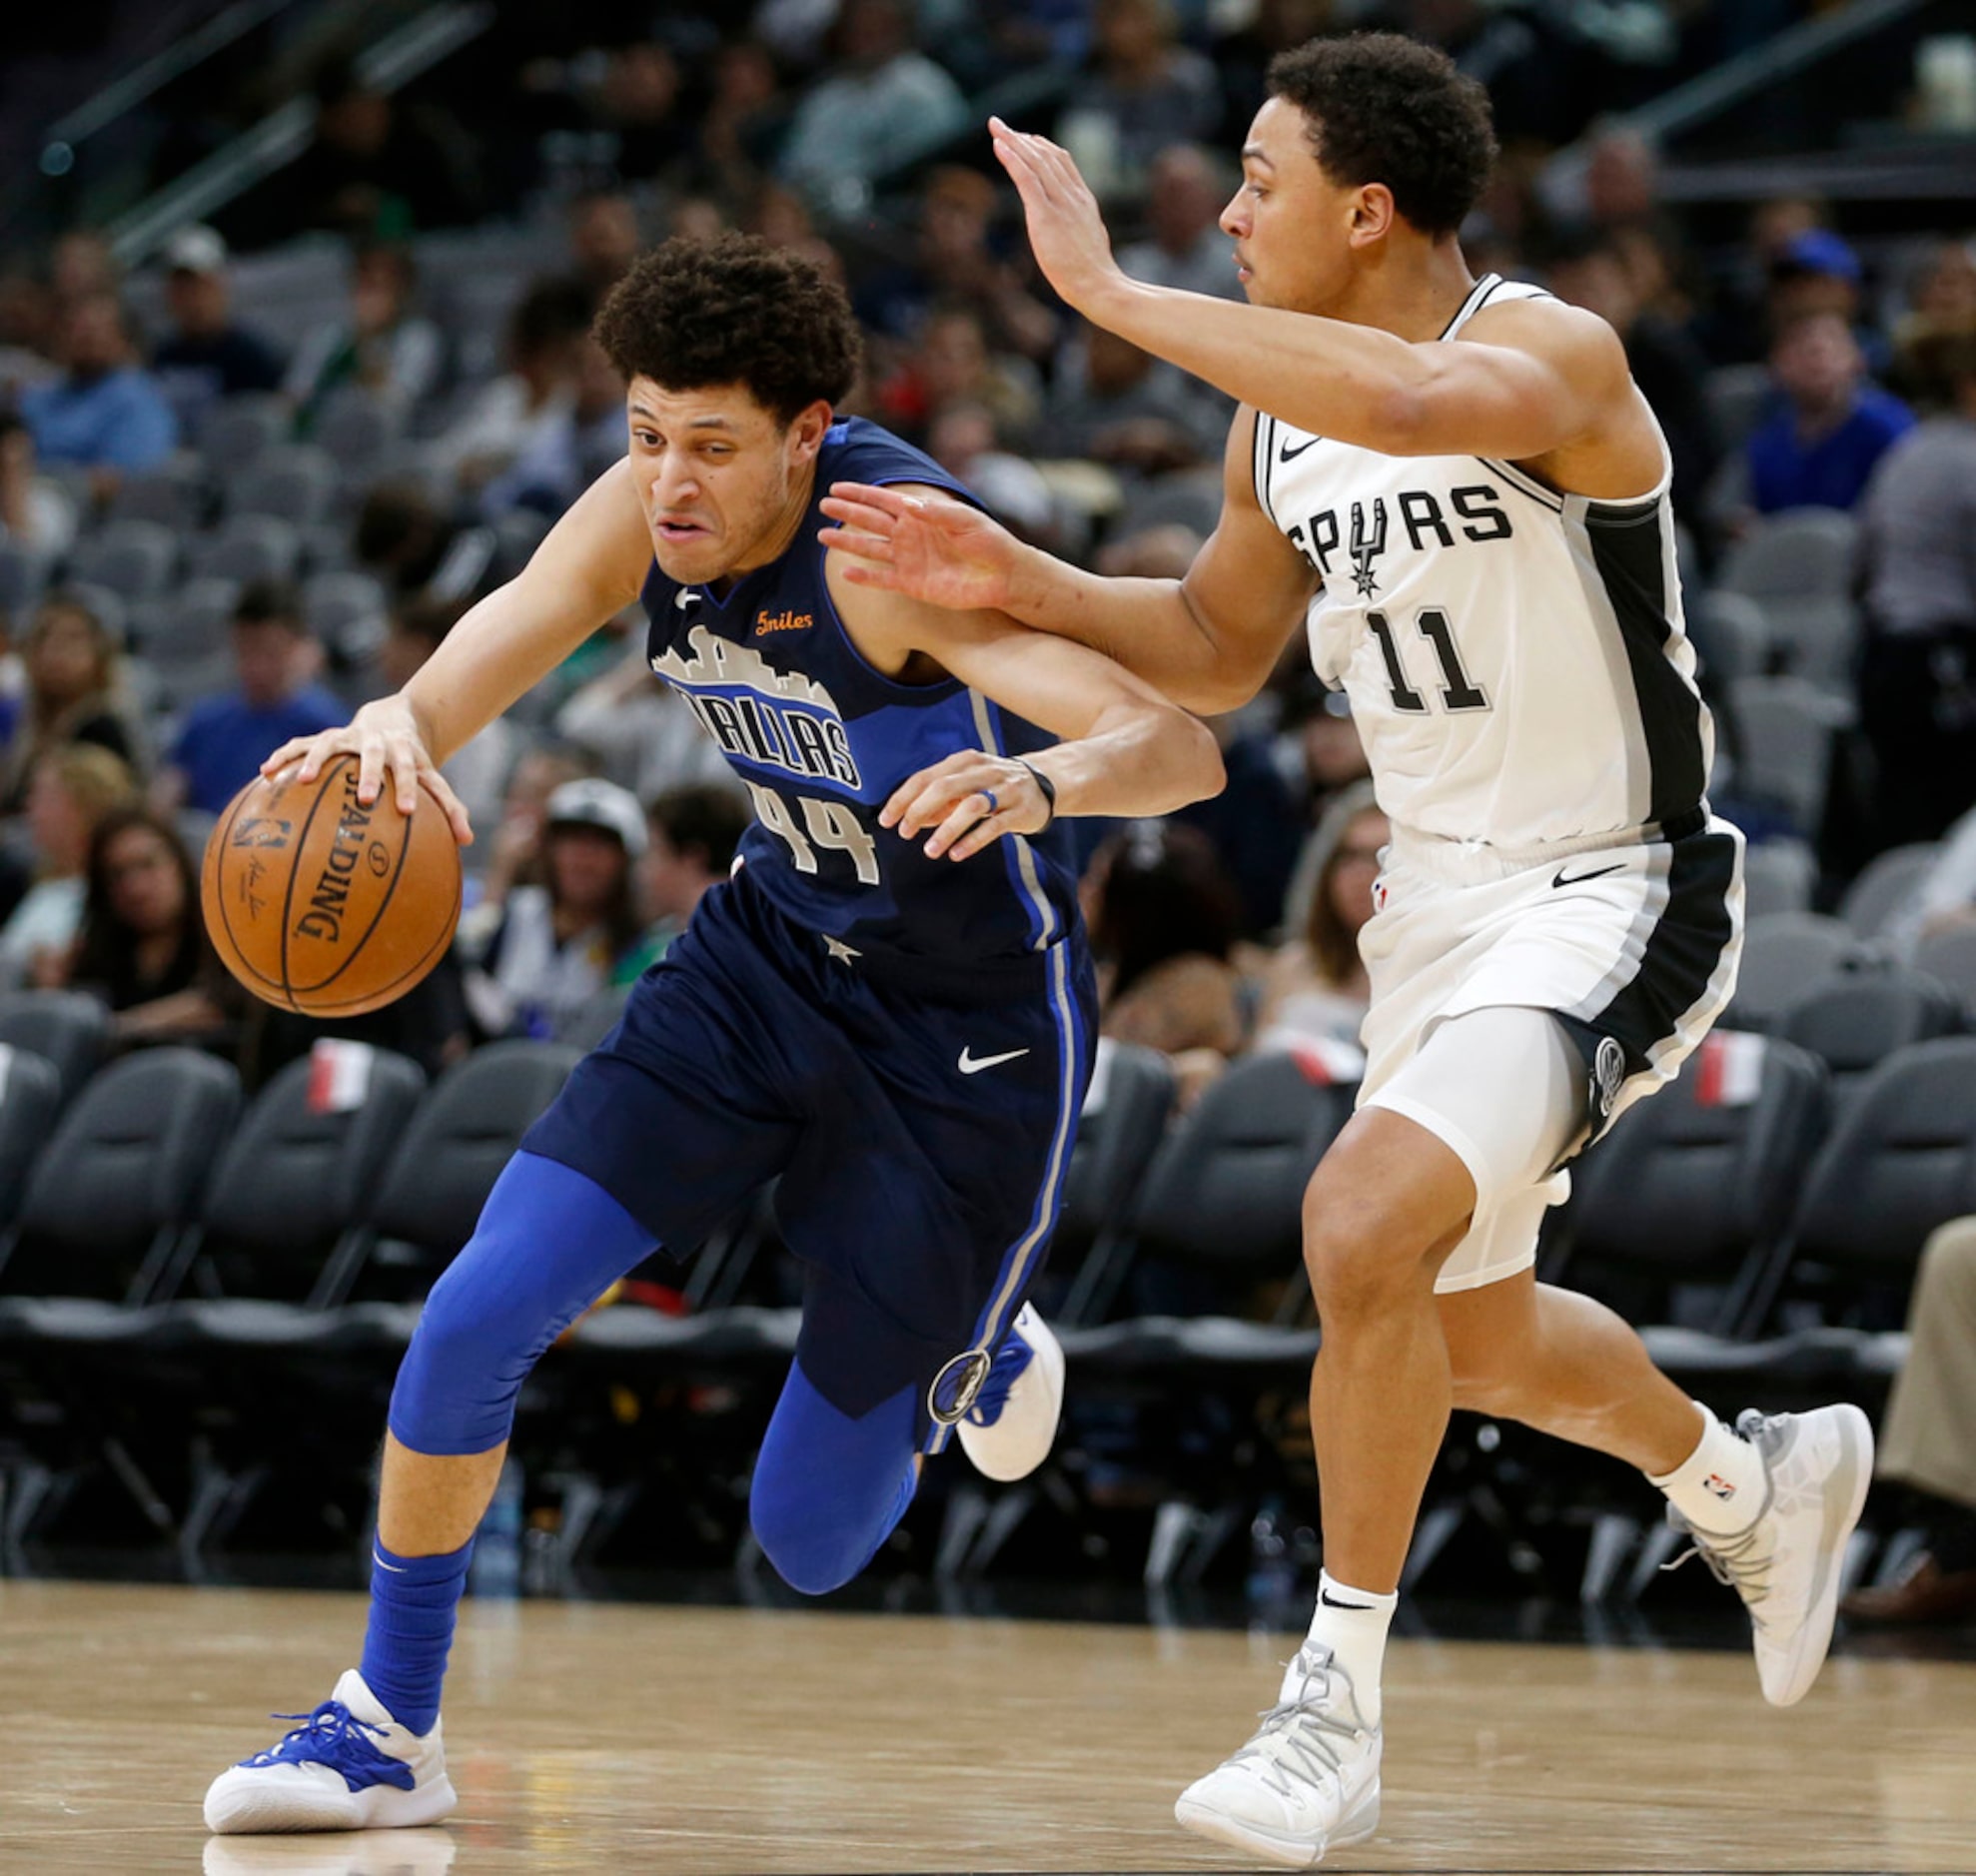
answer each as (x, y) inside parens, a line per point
(1626, 548)
(1683, 952)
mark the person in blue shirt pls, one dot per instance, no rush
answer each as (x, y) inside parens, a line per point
(105, 412)
(1818, 451)
(276, 659)
(889, 1008)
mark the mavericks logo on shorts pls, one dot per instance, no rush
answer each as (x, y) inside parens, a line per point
(957, 1385)
(1609, 1073)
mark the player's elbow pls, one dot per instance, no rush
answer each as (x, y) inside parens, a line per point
(1195, 757)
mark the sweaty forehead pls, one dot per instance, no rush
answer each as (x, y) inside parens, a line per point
(1278, 136)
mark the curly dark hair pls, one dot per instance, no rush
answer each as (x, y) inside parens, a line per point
(1386, 109)
(733, 310)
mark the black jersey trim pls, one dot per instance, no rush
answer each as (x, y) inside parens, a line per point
(1267, 447)
(1627, 552)
(1525, 483)
(1478, 298)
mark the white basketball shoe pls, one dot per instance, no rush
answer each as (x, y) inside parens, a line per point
(1009, 1430)
(348, 1766)
(1785, 1566)
(1307, 1781)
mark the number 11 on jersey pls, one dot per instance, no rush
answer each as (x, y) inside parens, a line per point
(1457, 690)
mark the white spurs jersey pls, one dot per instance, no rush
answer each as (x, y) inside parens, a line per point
(1517, 661)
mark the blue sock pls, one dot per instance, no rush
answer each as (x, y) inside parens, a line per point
(413, 1600)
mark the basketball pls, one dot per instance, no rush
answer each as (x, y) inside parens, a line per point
(322, 905)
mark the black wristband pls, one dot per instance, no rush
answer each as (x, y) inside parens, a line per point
(1048, 787)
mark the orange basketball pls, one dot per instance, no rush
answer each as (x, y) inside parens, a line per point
(319, 904)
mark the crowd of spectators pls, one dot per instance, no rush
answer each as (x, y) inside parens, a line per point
(846, 131)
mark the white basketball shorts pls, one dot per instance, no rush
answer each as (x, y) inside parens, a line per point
(1632, 949)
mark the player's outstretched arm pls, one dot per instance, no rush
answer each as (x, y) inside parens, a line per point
(1526, 380)
(592, 565)
(1208, 641)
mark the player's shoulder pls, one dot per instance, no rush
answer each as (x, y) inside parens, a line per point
(1545, 327)
(855, 449)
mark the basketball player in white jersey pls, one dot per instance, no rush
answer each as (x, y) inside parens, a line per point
(1458, 482)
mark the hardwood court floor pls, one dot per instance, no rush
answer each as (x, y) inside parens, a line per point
(613, 1737)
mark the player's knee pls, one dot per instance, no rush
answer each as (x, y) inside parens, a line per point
(455, 1388)
(812, 1551)
(1357, 1262)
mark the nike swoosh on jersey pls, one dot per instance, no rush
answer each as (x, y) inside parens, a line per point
(974, 1064)
(1579, 879)
(1285, 454)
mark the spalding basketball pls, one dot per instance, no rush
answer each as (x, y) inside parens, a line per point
(319, 904)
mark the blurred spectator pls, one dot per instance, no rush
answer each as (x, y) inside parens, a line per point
(1816, 271)
(378, 345)
(963, 440)
(513, 856)
(26, 316)
(696, 218)
(206, 355)
(954, 260)
(569, 453)
(604, 238)
(400, 536)
(1185, 194)
(105, 412)
(142, 946)
(36, 512)
(375, 167)
(83, 265)
(226, 738)
(640, 731)
(1928, 1440)
(1943, 899)
(741, 131)
(1918, 678)
(637, 104)
(1590, 269)
(1121, 406)
(1163, 917)
(1316, 988)
(539, 955)
(1242, 57)
(1142, 90)
(782, 219)
(1943, 303)
(74, 692)
(533, 398)
(476, 772)
(1622, 178)
(1735, 326)
(880, 104)
(952, 363)
(693, 830)
(69, 791)
(1820, 448)
(1324, 749)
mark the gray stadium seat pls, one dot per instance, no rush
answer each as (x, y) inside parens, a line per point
(1855, 1022)
(173, 494)
(1735, 633)
(293, 482)
(247, 547)
(1737, 396)
(1886, 882)
(1787, 725)
(1118, 1133)
(354, 430)
(67, 1029)
(23, 573)
(295, 1179)
(1950, 954)
(453, 1148)
(1798, 566)
(1784, 954)
(193, 624)
(347, 611)
(113, 1192)
(1779, 876)
(112, 612)
(30, 1099)
(134, 559)
(237, 431)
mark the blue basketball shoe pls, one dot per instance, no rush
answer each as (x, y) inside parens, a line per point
(1009, 1430)
(348, 1766)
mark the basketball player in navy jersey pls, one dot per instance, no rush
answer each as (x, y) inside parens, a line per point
(1460, 484)
(889, 1007)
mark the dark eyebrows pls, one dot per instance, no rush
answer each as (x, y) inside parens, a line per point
(698, 422)
(1254, 153)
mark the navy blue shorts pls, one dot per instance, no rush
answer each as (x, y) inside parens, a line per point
(922, 1135)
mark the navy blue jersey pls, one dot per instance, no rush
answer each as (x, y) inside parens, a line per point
(822, 739)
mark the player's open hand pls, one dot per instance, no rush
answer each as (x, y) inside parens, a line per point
(384, 736)
(1066, 231)
(929, 547)
(969, 799)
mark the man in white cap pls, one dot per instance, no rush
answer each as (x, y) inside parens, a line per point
(208, 356)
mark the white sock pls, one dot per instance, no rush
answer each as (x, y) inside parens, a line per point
(1352, 1623)
(1719, 1487)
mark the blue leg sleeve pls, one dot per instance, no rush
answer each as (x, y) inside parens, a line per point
(549, 1244)
(828, 1489)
